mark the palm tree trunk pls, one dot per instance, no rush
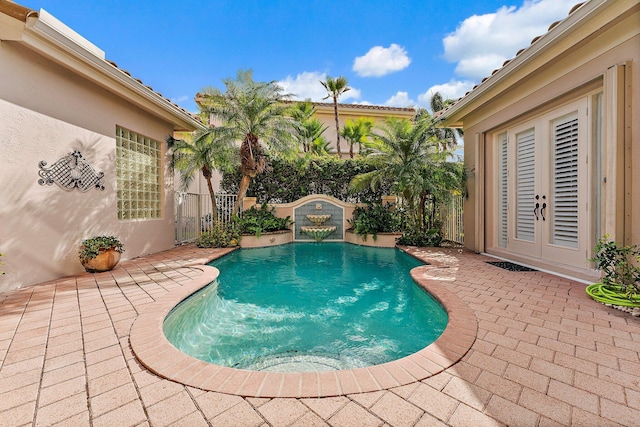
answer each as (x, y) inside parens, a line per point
(335, 111)
(207, 173)
(214, 205)
(433, 212)
(421, 210)
(242, 191)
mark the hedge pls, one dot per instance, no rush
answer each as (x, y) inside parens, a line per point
(286, 181)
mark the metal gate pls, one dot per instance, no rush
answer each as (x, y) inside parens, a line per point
(452, 215)
(193, 213)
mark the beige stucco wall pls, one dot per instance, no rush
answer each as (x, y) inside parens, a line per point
(326, 114)
(581, 69)
(288, 209)
(45, 113)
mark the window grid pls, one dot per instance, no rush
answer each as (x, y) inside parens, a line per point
(138, 176)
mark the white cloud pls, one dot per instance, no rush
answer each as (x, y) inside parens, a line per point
(400, 99)
(306, 85)
(482, 43)
(380, 61)
(452, 90)
(353, 94)
(179, 99)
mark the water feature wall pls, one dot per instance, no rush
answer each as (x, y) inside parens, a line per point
(318, 207)
(338, 213)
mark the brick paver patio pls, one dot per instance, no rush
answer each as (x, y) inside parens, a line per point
(545, 355)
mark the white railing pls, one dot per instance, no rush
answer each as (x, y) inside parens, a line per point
(453, 220)
(193, 214)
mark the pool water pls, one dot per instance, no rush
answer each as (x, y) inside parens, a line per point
(307, 307)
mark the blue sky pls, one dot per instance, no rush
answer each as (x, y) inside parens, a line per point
(393, 53)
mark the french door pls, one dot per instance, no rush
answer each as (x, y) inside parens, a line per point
(543, 187)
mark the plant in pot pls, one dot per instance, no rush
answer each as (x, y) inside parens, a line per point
(620, 267)
(100, 253)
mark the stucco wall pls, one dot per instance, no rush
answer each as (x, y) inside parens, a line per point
(341, 213)
(319, 207)
(575, 73)
(325, 113)
(46, 112)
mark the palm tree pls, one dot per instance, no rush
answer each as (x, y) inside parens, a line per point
(206, 152)
(403, 152)
(319, 147)
(356, 132)
(253, 113)
(310, 129)
(335, 88)
(446, 136)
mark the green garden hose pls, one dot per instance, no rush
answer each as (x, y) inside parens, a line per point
(608, 295)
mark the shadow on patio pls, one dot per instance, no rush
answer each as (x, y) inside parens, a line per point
(544, 354)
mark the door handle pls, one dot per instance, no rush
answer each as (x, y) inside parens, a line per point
(535, 210)
(544, 206)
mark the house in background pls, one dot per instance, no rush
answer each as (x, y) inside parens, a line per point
(550, 140)
(325, 113)
(378, 113)
(61, 99)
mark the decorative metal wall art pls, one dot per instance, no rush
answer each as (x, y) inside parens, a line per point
(71, 171)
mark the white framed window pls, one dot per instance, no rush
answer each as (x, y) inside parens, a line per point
(138, 171)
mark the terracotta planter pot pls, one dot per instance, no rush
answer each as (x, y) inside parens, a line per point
(105, 261)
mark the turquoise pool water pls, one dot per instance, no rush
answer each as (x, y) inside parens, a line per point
(308, 307)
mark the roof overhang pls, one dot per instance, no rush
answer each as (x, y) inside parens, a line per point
(525, 60)
(361, 110)
(46, 35)
(365, 110)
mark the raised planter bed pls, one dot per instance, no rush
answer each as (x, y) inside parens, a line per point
(272, 238)
(383, 240)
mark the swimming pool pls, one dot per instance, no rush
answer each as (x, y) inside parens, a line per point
(307, 307)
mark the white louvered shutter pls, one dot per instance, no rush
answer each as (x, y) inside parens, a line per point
(564, 198)
(525, 178)
(502, 190)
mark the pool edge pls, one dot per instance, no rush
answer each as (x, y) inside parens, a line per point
(156, 353)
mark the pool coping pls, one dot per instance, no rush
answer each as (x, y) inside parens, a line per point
(156, 353)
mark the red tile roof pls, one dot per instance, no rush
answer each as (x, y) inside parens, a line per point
(363, 106)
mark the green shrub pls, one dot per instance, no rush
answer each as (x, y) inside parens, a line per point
(91, 247)
(1, 263)
(219, 236)
(433, 237)
(288, 181)
(376, 218)
(619, 265)
(258, 221)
